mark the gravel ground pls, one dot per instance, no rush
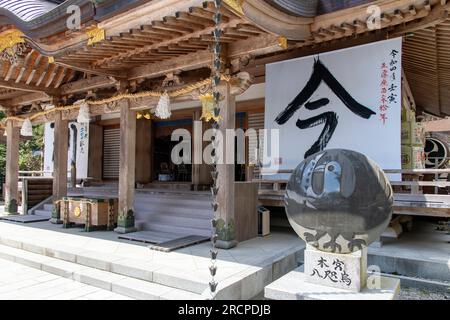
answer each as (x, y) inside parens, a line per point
(418, 294)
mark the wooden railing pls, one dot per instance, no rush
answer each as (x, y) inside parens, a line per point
(409, 196)
(34, 190)
(26, 174)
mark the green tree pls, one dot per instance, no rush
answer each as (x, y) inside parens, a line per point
(31, 151)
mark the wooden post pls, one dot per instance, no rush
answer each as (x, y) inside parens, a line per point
(144, 157)
(125, 222)
(197, 152)
(12, 168)
(24, 196)
(73, 175)
(60, 151)
(226, 220)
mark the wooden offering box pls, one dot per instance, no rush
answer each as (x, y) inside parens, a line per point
(93, 213)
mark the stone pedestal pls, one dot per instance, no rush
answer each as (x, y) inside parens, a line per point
(345, 271)
(294, 286)
(333, 276)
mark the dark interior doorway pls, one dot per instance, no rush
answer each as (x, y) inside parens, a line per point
(165, 169)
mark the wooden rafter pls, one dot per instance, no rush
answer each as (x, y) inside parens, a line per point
(26, 87)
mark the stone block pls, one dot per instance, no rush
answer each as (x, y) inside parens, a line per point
(134, 268)
(180, 279)
(345, 271)
(294, 286)
(96, 278)
(61, 268)
(138, 289)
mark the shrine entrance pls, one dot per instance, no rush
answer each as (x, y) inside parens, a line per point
(166, 171)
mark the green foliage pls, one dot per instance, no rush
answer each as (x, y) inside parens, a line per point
(28, 160)
(30, 151)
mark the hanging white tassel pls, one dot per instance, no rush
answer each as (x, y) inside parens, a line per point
(83, 113)
(163, 108)
(27, 129)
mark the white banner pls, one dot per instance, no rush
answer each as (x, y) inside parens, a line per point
(348, 99)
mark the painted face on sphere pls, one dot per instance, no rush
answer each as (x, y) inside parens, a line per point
(338, 201)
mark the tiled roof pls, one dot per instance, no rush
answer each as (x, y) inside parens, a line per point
(311, 8)
(27, 9)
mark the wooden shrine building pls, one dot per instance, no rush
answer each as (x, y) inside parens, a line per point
(119, 57)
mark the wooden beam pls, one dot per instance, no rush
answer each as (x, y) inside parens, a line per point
(33, 69)
(262, 44)
(87, 68)
(25, 66)
(28, 99)
(436, 16)
(11, 69)
(26, 87)
(149, 48)
(186, 62)
(437, 125)
(87, 85)
(257, 65)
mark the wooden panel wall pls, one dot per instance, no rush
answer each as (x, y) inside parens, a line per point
(245, 208)
(95, 152)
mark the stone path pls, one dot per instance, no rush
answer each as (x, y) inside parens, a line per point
(19, 282)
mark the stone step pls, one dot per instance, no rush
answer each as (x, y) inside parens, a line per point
(132, 268)
(174, 220)
(173, 204)
(152, 226)
(114, 282)
(43, 213)
(192, 213)
(197, 194)
(170, 186)
(155, 209)
(176, 201)
(48, 207)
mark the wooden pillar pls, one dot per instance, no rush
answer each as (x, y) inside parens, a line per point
(226, 219)
(144, 158)
(197, 152)
(60, 151)
(125, 223)
(12, 168)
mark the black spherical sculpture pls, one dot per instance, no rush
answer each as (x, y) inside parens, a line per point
(339, 201)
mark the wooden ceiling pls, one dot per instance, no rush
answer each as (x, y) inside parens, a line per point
(173, 36)
(427, 66)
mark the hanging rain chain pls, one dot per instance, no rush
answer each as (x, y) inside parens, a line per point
(216, 73)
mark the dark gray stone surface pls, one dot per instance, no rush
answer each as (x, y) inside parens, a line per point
(338, 201)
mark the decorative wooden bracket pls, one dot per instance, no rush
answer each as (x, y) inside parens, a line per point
(235, 5)
(12, 45)
(95, 35)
